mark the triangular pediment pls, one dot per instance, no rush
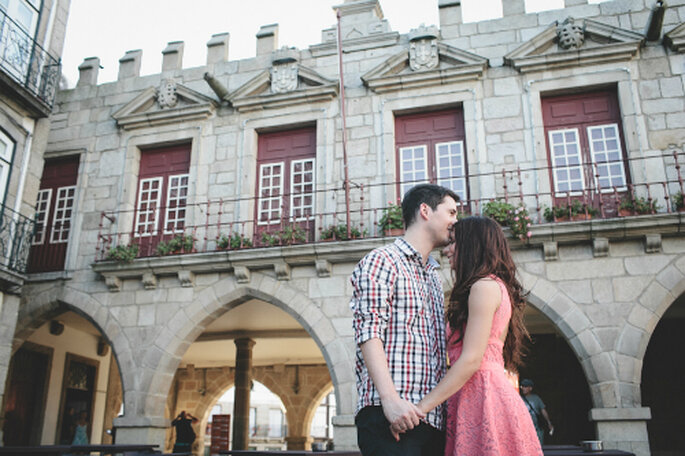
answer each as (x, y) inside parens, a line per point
(675, 39)
(452, 65)
(169, 103)
(259, 92)
(595, 42)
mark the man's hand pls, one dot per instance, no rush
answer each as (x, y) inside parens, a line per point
(402, 415)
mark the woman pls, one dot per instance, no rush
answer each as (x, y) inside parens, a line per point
(485, 331)
(81, 429)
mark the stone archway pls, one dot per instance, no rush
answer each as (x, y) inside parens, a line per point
(213, 301)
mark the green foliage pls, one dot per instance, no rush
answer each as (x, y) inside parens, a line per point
(339, 232)
(234, 241)
(678, 201)
(639, 205)
(123, 253)
(290, 234)
(565, 211)
(498, 210)
(506, 214)
(391, 218)
(177, 244)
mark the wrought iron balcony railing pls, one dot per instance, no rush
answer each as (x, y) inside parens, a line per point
(16, 234)
(229, 224)
(25, 61)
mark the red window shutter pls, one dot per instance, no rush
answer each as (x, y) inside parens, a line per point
(54, 214)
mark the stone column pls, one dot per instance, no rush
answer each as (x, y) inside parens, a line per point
(267, 39)
(623, 428)
(513, 8)
(241, 401)
(88, 71)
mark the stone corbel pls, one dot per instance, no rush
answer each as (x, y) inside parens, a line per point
(550, 250)
(113, 283)
(652, 243)
(242, 274)
(600, 247)
(187, 278)
(323, 268)
(149, 281)
(282, 271)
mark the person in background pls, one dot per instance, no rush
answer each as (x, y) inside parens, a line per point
(536, 408)
(185, 435)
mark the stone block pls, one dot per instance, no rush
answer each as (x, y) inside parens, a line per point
(584, 270)
(656, 121)
(499, 107)
(544, 290)
(573, 322)
(672, 279)
(146, 315)
(655, 296)
(578, 289)
(628, 289)
(630, 341)
(604, 367)
(663, 105)
(675, 120)
(172, 56)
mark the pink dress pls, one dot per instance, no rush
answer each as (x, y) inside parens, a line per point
(487, 416)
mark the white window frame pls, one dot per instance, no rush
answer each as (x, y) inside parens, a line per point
(445, 182)
(567, 167)
(136, 231)
(42, 212)
(6, 153)
(180, 200)
(270, 220)
(607, 164)
(408, 178)
(298, 193)
(58, 233)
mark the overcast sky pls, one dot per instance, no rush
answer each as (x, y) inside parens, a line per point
(109, 28)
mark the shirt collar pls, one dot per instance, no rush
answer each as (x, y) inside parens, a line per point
(410, 252)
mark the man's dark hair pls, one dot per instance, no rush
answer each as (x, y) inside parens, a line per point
(430, 194)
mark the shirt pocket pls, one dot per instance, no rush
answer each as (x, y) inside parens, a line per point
(409, 302)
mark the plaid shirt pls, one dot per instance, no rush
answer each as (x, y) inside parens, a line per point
(400, 301)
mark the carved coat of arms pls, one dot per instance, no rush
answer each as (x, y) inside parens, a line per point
(423, 54)
(284, 77)
(571, 35)
(166, 94)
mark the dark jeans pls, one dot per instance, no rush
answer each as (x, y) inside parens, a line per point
(374, 437)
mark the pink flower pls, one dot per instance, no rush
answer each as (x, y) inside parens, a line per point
(529, 234)
(516, 219)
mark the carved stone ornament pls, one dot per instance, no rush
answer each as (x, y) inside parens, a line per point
(166, 94)
(571, 35)
(284, 77)
(423, 54)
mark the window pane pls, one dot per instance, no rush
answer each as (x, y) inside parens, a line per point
(605, 150)
(450, 168)
(301, 189)
(412, 166)
(568, 175)
(61, 223)
(270, 193)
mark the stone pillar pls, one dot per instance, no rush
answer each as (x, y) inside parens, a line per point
(450, 12)
(299, 443)
(345, 432)
(141, 430)
(267, 39)
(513, 8)
(172, 56)
(217, 48)
(241, 401)
(623, 428)
(129, 64)
(88, 71)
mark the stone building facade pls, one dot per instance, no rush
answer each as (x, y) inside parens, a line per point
(31, 42)
(573, 108)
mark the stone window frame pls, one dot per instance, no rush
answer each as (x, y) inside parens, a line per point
(632, 123)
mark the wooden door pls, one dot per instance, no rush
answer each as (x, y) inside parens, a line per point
(54, 214)
(286, 181)
(25, 397)
(163, 184)
(430, 148)
(585, 148)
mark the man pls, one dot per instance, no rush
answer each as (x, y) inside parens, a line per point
(399, 325)
(185, 435)
(536, 408)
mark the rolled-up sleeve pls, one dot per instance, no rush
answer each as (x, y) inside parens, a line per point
(373, 284)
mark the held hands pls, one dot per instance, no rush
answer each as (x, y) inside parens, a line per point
(402, 415)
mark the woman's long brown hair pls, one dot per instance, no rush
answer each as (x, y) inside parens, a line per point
(480, 250)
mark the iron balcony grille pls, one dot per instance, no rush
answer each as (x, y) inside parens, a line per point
(25, 61)
(228, 224)
(16, 234)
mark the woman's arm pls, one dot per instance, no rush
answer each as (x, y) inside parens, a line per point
(484, 299)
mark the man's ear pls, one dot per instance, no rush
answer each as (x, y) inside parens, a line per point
(425, 211)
